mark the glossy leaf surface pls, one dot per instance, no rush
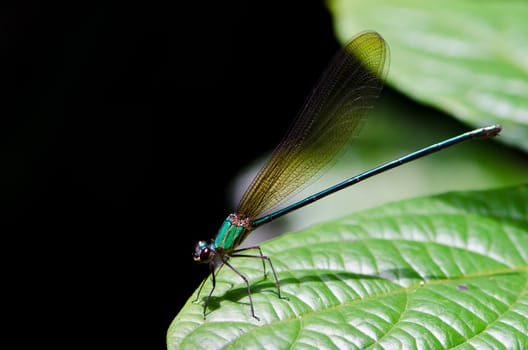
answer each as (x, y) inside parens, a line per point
(466, 58)
(431, 272)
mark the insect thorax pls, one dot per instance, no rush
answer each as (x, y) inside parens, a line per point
(232, 233)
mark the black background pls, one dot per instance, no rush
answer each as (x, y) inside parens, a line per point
(122, 126)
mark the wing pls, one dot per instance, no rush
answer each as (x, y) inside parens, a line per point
(333, 114)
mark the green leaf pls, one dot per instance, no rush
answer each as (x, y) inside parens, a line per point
(466, 58)
(430, 272)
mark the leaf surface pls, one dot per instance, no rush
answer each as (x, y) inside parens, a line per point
(466, 58)
(445, 271)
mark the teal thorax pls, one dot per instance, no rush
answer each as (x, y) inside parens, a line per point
(231, 234)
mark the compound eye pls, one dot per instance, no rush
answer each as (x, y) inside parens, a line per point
(205, 255)
(202, 253)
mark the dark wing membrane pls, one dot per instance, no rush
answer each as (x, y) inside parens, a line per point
(331, 116)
